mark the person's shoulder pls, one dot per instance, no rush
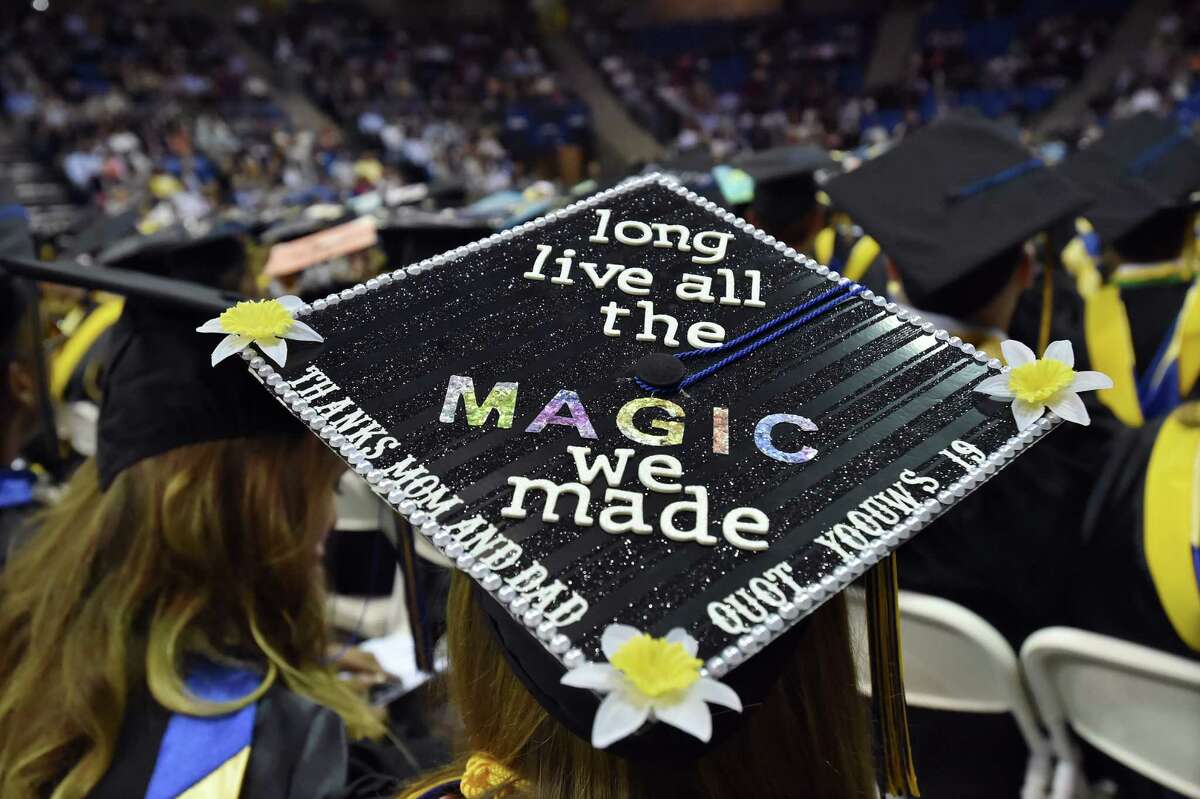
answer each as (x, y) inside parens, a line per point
(300, 749)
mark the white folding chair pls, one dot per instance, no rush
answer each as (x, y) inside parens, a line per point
(1139, 706)
(955, 661)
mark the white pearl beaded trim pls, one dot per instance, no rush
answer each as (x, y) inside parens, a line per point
(557, 644)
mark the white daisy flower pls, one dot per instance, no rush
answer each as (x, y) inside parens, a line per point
(650, 679)
(1034, 385)
(267, 323)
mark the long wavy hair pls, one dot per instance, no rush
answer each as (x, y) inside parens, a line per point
(810, 738)
(208, 550)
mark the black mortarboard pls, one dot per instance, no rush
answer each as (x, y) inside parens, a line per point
(298, 228)
(412, 235)
(724, 489)
(100, 230)
(948, 200)
(160, 390)
(1142, 165)
(216, 257)
(784, 182)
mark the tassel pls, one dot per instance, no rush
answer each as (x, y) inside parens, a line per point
(414, 599)
(1047, 307)
(887, 681)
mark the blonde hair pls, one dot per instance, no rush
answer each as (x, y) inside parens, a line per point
(207, 550)
(809, 738)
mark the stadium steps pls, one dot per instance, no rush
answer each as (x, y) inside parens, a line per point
(895, 39)
(619, 140)
(47, 199)
(1132, 37)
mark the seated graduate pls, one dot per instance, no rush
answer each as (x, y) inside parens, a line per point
(1141, 533)
(1142, 174)
(164, 629)
(970, 198)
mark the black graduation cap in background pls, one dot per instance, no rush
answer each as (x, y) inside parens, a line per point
(949, 199)
(215, 257)
(785, 183)
(550, 407)
(411, 234)
(293, 229)
(1142, 165)
(160, 390)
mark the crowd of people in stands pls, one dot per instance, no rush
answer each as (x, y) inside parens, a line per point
(735, 86)
(478, 104)
(1166, 76)
(126, 99)
(135, 102)
(706, 85)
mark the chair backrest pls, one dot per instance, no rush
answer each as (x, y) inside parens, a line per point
(953, 659)
(1139, 706)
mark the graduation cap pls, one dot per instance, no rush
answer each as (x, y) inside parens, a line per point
(1142, 165)
(160, 388)
(785, 186)
(215, 257)
(411, 235)
(947, 201)
(640, 413)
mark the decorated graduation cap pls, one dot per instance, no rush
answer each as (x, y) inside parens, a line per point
(656, 438)
(160, 390)
(1142, 165)
(950, 199)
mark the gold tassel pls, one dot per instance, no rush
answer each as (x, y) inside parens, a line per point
(1047, 305)
(887, 680)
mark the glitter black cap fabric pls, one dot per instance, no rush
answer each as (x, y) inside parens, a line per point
(491, 395)
(950, 198)
(1142, 165)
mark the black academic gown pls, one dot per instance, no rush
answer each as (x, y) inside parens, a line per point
(1006, 550)
(1112, 591)
(299, 750)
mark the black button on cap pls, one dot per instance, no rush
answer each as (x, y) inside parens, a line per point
(660, 370)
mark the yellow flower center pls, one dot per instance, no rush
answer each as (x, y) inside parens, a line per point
(655, 666)
(1039, 381)
(257, 319)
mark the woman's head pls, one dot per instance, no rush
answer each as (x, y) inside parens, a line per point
(205, 550)
(809, 737)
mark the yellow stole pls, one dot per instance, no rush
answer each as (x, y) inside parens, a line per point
(1171, 525)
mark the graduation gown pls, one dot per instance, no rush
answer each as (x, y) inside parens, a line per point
(1141, 331)
(1005, 550)
(281, 747)
(1115, 591)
